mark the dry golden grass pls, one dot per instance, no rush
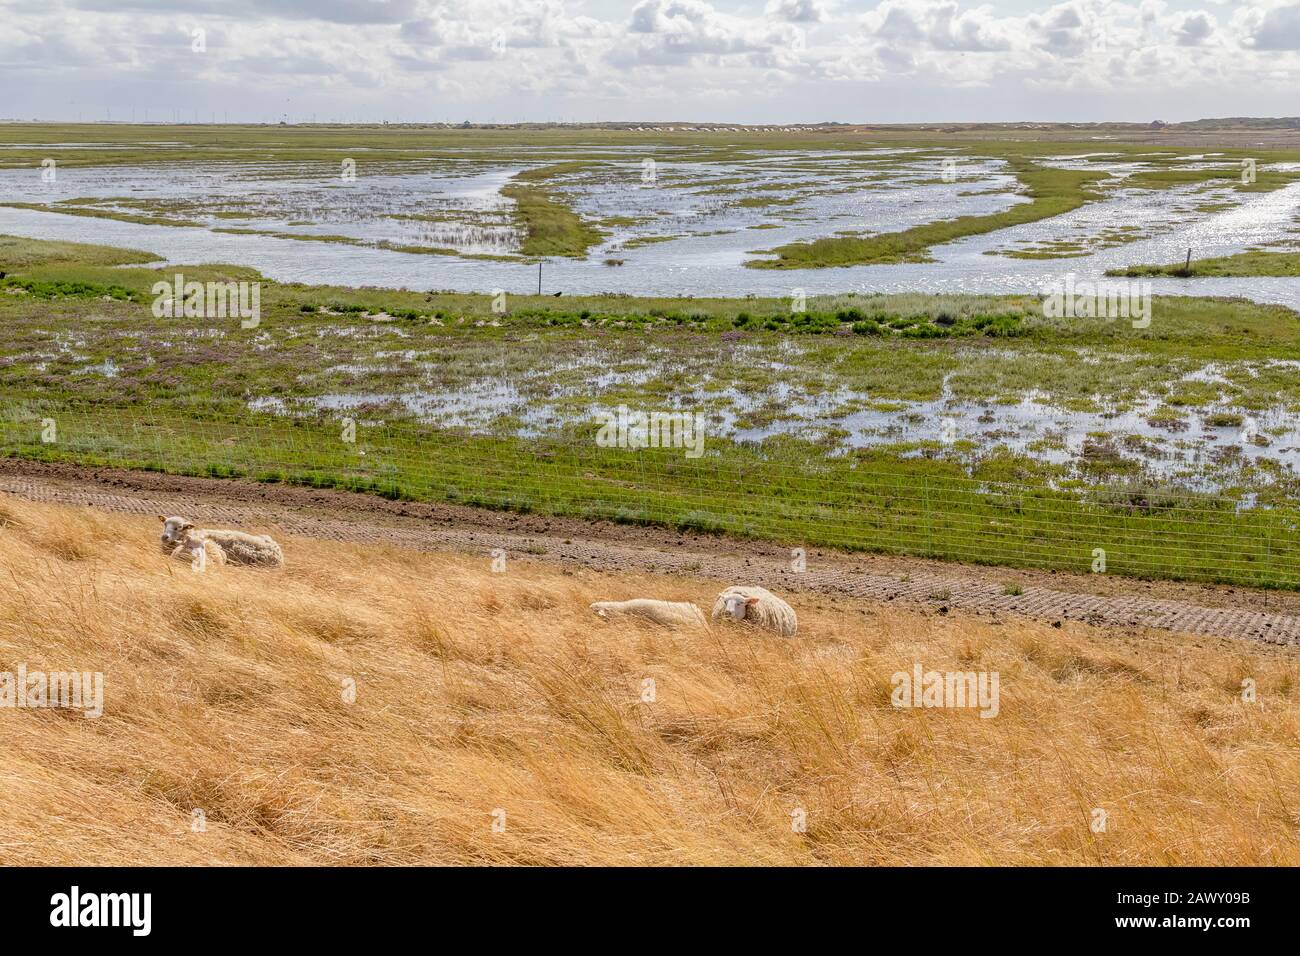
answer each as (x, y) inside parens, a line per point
(477, 691)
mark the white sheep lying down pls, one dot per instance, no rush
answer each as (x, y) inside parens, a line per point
(757, 606)
(180, 538)
(667, 613)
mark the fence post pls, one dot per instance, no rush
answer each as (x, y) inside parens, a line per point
(1268, 548)
(929, 517)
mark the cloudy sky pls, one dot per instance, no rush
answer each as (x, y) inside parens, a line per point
(766, 61)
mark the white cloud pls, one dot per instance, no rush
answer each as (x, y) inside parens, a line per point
(797, 11)
(938, 25)
(776, 60)
(1276, 29)
(1193, 29)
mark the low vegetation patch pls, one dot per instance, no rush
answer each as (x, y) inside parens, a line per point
(1255, 262)
(550, 227)
(1051, 193)
(64, 289)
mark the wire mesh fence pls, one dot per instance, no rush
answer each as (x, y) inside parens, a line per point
(893, 507)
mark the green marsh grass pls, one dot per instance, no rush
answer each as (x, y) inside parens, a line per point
(1051, 193)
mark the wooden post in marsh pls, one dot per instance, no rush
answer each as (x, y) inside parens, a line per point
(1188, 268)
(539, 275)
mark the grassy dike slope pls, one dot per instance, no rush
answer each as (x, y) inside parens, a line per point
(478, 692)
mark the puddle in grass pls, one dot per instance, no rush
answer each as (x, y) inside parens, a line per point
(1204, 450)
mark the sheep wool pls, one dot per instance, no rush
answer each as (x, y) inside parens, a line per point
(189, 547)
(239, 547)
(756, 606)
(667, 613)
(242, 548)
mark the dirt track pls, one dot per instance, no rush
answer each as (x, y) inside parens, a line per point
(1097, 599)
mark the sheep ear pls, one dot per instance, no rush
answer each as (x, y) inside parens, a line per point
(750, 602)
(162, 519)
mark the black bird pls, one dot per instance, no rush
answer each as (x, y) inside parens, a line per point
(556, 294)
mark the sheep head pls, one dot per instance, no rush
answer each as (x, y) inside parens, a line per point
(738, 604)
(175, 529)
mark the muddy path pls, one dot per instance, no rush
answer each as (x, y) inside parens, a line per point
(1272, 617)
